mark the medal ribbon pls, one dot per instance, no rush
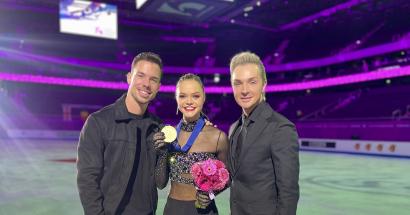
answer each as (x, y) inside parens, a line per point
(197, 129)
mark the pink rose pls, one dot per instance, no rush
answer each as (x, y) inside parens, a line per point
(223, 175)
(196, 170)
(204, 185)
(219, 186)
(209, 167)
(219, 164)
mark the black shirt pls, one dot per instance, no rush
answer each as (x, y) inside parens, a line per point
(135, 201)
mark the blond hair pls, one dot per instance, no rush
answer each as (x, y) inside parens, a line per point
(247, 57)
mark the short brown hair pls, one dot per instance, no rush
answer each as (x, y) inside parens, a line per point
(148, 56)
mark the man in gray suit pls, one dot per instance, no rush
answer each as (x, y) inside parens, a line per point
(264, 152)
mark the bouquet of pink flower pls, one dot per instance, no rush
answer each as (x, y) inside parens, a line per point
(210, 176)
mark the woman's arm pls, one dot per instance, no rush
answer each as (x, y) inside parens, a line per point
(161, 166)
(222, 148)
(222, 154)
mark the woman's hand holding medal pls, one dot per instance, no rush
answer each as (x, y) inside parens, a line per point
(170, 133)
(167, 135)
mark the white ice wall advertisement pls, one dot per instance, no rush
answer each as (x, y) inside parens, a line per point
(88, 18)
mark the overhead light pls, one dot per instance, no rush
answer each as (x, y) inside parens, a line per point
(139, 3)
(247, 9)
(258, 3)
(217, 78)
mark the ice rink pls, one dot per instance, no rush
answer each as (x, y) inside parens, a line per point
(37, 177)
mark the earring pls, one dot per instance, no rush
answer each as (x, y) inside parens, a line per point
(177, 111)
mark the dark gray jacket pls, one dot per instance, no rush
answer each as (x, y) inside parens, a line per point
(106, 153)
(265, 180)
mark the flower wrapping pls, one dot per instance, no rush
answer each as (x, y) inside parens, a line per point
(210, 176)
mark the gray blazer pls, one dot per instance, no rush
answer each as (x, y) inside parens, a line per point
(265, 180)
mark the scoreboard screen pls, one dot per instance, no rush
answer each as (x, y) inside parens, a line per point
(88, 18)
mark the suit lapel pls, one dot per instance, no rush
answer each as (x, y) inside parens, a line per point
(260, 123)
(251, 137)
(231, 142)
(233, 128)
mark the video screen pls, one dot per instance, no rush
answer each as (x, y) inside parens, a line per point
(88, 18)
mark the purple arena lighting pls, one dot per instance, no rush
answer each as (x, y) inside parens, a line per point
(323, 13)
(342, 80)
(188, 39)
(26, 78)
(341, 58)
(328, 82)
(24, 56)
(345, 57)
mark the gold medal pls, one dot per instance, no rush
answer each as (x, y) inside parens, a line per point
(170, 133)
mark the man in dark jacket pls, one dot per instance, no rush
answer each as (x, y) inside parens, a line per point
(263, 160)
(116, 161)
